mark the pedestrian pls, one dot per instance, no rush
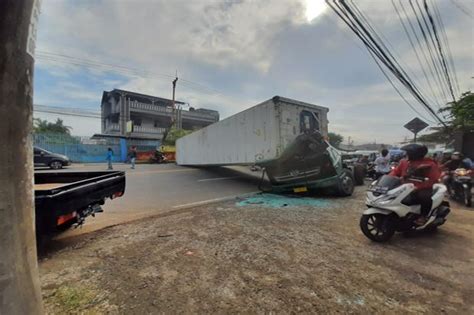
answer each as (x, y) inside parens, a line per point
(110, 156)
(382, 164)
(133, 156)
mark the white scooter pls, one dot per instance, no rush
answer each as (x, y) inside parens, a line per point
(391, 208)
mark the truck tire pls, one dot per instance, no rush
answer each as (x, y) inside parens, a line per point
(345, 185)
(359, 174)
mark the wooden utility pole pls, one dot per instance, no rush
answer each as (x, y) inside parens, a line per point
(19, 280)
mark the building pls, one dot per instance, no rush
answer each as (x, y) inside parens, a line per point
(149, 115)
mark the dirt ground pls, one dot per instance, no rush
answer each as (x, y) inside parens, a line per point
(288, 256)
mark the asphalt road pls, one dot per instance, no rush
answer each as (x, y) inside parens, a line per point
(158, 188)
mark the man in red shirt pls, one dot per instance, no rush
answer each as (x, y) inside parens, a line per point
(425, 168)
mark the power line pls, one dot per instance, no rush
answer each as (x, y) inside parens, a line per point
(346, 18)
(381, 38)
(405, 28)
(425, 34)
(77, 112)
(377, 48)
(463, 9)
(446, 42)
(440, 50)
(67, 59)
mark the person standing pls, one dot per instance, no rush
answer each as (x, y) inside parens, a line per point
(133, 156)
(110, 156)
(382, 164)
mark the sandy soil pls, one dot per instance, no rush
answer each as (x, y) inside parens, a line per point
(254, 257)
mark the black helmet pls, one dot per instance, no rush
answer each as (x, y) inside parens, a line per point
(415, 151)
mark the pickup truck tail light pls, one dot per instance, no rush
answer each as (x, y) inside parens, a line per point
(117, 194)
(66, 217)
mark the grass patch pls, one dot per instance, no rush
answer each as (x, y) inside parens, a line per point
(73, 299)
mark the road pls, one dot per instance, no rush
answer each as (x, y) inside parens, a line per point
(157, 188)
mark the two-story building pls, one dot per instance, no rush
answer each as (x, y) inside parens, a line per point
(149, 115)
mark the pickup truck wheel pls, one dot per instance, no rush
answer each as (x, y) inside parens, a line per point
(55, 165)
(346, 184)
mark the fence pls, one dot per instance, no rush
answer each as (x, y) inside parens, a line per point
(87, 150)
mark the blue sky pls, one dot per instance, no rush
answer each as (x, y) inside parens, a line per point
(233, 55)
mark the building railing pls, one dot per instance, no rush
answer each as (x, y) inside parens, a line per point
(153, 130)
(150, 107)
(169, 111)
(112, 127)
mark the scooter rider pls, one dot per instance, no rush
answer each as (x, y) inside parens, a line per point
(424, 189)
(450, 166)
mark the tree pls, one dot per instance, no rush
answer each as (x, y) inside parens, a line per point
(461, 115)
(461, 112)
(335, 139)
(44, 126)
(174, 134)
(19, 278)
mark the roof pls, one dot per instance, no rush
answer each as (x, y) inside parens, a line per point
(277, 99)
(139, 95)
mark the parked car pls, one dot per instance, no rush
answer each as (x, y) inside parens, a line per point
(53, 160)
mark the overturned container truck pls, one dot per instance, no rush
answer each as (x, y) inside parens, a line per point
(287, 138)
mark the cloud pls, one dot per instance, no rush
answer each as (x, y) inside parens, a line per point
(231, 55)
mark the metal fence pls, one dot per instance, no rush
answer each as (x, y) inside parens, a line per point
(87, 150)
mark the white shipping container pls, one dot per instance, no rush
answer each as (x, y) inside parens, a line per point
(257, 134)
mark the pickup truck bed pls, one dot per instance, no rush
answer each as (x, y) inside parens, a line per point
(65, 198)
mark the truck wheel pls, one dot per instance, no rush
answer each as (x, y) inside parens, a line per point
(346, 184)
(55, 165)
(359, 174)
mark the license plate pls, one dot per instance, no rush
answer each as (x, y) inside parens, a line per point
(300, 189)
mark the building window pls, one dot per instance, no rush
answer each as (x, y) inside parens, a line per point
(114, 120)
(137, 122)
(155, 124)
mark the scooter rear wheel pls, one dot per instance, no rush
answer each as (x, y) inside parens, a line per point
(377, 227)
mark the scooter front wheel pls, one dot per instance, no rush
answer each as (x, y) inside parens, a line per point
(377, 227)
(467, 197)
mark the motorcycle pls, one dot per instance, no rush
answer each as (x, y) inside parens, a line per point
(158, 157)
(460, 186)
(391, 210)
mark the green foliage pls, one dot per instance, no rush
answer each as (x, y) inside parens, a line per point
(44, 126)
(335, 139)
(174, 134)
(461, 115)
(461, 112)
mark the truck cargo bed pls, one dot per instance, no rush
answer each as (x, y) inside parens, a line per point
(67, 197)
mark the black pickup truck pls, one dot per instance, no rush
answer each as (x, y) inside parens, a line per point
(64, 199)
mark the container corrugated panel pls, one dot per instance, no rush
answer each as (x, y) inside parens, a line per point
(256, 134)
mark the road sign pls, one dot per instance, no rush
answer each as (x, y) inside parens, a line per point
(416, 125)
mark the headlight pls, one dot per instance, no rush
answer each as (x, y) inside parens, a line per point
(461, 172)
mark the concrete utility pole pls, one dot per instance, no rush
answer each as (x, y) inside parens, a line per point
(175, 111)
(19, 280)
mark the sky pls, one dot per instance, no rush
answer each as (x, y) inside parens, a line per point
(231, 55)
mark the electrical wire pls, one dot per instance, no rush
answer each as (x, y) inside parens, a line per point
(427, 58)
(425, 34)
(379, 50)
(415, 50)
(440, 50)
(446, 43)
(67, 59)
